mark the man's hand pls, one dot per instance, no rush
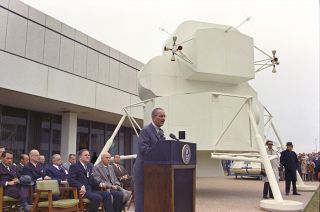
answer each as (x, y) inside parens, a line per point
(102, 185)
(82, 191)
(124, 177)
(12, 182)
(63, 182)
(115, 187)
(47, 178)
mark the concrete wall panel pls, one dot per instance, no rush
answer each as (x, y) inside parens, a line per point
(23, 75)
(80, 60)
(35, 42)
(93, 43)
(19, 7)
(68, 31)
(104, 69)
(37, 16)
(104, 48)
(3, 27)
(16, 34)
(127, 78)
(81, 37)
(66, 54)
(114, 73)
(53, 23)
(110, 99)
(69, 88)
(92, 65)
(114, 53)
(132, 62)
(4, 3)
(51, 48)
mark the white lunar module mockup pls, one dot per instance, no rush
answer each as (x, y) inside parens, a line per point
(201, 81)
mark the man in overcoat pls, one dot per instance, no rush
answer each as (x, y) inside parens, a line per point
(290, 162)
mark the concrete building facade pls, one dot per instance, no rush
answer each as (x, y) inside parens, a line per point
(60, 89)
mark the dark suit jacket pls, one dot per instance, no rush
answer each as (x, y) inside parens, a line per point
(19, 169)
(5, 175)
(78, 177)
(35, 172)
(148, 137)
(290, 162)
(119, 173)
(56, 174)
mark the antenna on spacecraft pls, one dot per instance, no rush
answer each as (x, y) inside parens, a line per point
(243, 22)
(176, 48)
(163, 30)
(266, 63)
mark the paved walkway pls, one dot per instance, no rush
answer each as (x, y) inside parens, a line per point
(229, 194)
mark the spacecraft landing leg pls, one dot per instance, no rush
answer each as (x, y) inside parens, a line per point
(278, 203)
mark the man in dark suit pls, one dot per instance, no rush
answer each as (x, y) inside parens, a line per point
(24, 159)
(103, 173)
(34, 169)
(80, 176)
(9, 180)
(148, 137)
(290, 162)
(121, 173)
(55, 171)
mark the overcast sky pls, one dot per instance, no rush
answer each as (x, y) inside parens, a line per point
(289, 26)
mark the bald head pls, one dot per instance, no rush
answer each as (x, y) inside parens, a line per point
(56, 159)
(34, 156)
(105, 158)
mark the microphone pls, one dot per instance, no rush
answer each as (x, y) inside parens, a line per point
(173, 137)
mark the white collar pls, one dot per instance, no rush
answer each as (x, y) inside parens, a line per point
(83, 164)
(156, 127)
(56, 166)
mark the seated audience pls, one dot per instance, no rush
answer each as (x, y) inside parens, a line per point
(9, 181)
(121, 173)
(80, 176)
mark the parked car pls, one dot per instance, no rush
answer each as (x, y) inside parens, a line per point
(246, 168)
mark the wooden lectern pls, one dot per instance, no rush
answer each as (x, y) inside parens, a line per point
(170, 177)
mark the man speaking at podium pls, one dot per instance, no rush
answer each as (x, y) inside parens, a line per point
(148, 137)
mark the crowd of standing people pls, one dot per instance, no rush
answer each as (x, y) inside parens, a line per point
(309, 166)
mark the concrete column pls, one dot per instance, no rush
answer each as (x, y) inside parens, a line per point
(68, 135)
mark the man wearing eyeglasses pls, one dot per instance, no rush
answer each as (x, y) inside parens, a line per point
(275, 163)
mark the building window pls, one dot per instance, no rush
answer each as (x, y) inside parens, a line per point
(40, 133)
(56, 135)
(13, 126)
(83, 134)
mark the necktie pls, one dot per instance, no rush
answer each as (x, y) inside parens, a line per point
(161, 135)
(8, 168)
(118, 167)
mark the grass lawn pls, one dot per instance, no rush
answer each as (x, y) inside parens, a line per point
(314, 204)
